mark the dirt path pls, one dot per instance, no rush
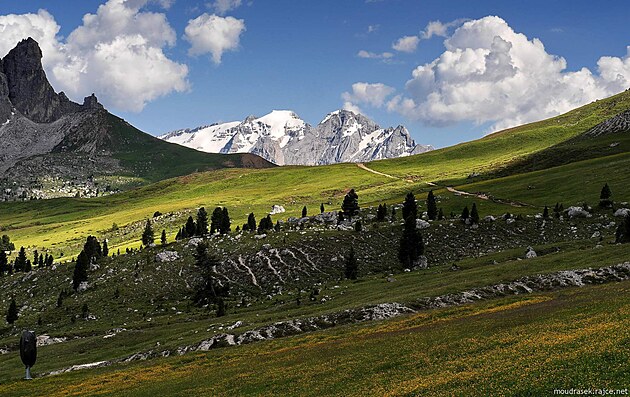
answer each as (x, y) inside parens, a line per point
(483, 196)
(364, 167)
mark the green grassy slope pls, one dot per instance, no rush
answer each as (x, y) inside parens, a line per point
(153, 159)
(60, 223)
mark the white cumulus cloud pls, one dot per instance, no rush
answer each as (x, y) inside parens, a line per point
(372, 94)
(373, 55)
(490, 73)
(214, 35)
(117, 53)
(223, 6)
(406, 44)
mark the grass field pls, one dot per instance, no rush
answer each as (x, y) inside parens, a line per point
(60, 224)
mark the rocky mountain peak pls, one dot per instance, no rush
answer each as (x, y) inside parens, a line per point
(24, 84)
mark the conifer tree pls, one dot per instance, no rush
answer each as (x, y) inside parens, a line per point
(411, 244)
(545, 213)
(350, 205)
(208, 288)
(35, 257)
(474, 215)
(190, 228)
(4, 263)
(202, 222)
(28, 266)
(277, 227)
(221, 307)
(92, 249)
(105, 249)
(440, 214)
(432, 210)
(351, 266)
(410, 208)
(265, 224)
(80, 270)
(251, 222)
(12, 312)
(178, 236)
(20, 261)
(304, 212)
(163, 237)
(6, 244)
(50, 260)
(225, 221)
(604, 197)
(147, 236)
(393, 218)
(465, 213)
(358, 226)
(321, 208)
(41, 260)
(381, 211)
(215, 220)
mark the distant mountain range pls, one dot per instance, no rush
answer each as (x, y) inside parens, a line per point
(51, 146)
(283, 138)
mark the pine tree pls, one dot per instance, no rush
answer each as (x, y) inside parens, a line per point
(80, 270)
(4, 263)
(277, 227)
(225, 221)
(221, 307)
(251, 222)
(50, 260)
(265, 224)
(105, 249)
(147, 236)
(6, 244)
(474, 215)
(163, 237)
(358, 226)
(92, 249)
(28, 266)
(202, 222)
(350, 205)
(60, 298)
(440, 214)
(432, 210)
(465, 213)
(410, 208)
(352, 268)
(411, 244)
(622, 235)
(41, 260)
(178, 236)
(321, 208)
(545, 213)
(304, 212)
(12, 312)
(393, 214)
(604, 197)
(215, 220)
(190, 228)
(381, 212)
(20, 261)
(208, 288)
(35, 257)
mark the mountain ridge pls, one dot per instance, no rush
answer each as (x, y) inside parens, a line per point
(51, 146)
(284, 139)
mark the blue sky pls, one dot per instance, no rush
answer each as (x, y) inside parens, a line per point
(303, 55)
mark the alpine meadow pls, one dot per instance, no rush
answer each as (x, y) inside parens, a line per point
(475, 241)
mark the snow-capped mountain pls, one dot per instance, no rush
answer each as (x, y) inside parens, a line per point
(283, 138)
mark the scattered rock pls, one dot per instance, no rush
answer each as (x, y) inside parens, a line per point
(577, 212)
(622, 212)
(276, 209)
(167, 256)
(422, 224)
(530, 253)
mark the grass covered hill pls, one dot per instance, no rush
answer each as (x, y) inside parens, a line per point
(61, 224)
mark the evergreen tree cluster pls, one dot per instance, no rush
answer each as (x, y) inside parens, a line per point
(92, 252)
(265, 224)
(219, 223)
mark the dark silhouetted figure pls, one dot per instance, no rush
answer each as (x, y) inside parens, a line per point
(28, 351)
